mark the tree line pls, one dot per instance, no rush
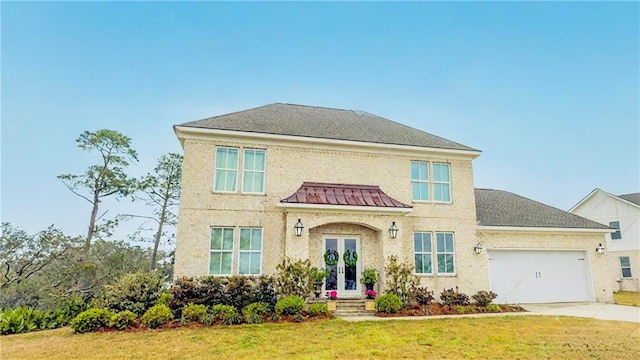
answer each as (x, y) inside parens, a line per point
(42, 269)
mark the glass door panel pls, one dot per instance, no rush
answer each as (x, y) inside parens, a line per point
(331, 250)
(351, 264)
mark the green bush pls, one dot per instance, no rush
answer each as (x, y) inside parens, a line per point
(123, 320)
(388, 303)
(21, 320)
(493, 308)
(91, 320)
(290, 305)
(227, 314)
(253, 313)
(484, 298)
(453, 297)
(193, 312)
(164, 299)
(157, 315)
(208, 290)
(294, 278)
(318, 309)
(135, 292)
(400, 279)
(264, 292)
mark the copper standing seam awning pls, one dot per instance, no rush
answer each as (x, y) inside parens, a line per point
(313, 193)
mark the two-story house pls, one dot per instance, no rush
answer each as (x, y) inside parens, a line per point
(622, 214)
(347, 189)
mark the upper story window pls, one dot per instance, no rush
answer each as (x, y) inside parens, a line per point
(253, 171)
(426, 176)
(226, 170)
(625, 266)
(616, 235)
(420, 180)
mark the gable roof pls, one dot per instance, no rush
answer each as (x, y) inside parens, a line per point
(632, 199)
(326, 123)
(502, 208)
(343, 194)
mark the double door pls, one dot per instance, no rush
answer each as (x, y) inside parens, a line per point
(345, 273)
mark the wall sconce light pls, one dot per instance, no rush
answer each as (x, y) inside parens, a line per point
(478, 248)
(393, 230)
(600, 249)
(298, 228)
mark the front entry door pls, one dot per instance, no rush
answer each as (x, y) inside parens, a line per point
(344, 275)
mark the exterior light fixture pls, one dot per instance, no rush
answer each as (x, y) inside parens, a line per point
(478, 248)
(298, 228)
(393, 230)
(600, 249)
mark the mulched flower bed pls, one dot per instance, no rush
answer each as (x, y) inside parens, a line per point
(439, 309)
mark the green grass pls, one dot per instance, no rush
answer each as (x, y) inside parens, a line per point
(523, 337)
(627, 298)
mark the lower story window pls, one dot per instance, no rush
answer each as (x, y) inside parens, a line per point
(446, 253)
(424, 254)
(625, 266)
(221, 251)
(250, 251)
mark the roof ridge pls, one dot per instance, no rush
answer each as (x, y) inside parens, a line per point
(231, 113)
(312, 106)
(636, 193)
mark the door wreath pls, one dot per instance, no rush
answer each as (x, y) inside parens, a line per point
(331, 257)
(350, 257)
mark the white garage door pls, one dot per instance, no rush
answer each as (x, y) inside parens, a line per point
(540, 276)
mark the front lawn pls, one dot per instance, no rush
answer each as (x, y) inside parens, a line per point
(627, 298)
(523, 337)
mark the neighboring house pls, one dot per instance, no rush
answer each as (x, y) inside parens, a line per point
(353, 188)
(622, 214)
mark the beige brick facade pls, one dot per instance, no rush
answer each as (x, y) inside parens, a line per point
(290, 163)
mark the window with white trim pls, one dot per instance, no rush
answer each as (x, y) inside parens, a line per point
(226, 169)
(616, 235)
(250, 251)
(420, 180)
(625, 266)
(445, 251)
(422, 252)
(221, 251)
(253, 171)
(441, 182)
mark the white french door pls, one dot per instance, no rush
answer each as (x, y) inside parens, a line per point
(345, 273)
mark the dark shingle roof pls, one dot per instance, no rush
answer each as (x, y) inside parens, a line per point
(634, 198)
(502, 208)
(327, 123)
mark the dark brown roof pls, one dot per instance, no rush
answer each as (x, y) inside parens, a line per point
(342, 194)
(634, 198)
(502, 208)
(326, 123)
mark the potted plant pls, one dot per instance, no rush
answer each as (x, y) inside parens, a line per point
(369, 278)
(318, 276)
(369, 303)
(331, 302)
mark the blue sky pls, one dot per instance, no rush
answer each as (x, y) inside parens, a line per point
(548, 91)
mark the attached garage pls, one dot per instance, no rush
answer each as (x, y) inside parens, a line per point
(540, 276)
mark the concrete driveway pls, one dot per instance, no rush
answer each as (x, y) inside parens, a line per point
(599, 311)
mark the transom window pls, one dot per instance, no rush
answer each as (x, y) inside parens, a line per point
(253, 171)
(427, 178)
(226, 170)
(250, 253)
(616, 235)
(625, 266)
(446, 252)
(221, 251)
(422, 252)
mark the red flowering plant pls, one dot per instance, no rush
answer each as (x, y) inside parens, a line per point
(332, 295)
(371, 294)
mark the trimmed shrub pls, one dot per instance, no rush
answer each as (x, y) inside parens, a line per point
(193, 312)
(227, 314)
(484, 298)
(290, 305)
(318, 310)
(493, 308)
(91, 320)
(239, 292)
(135, 292)
(253, 313)
(164, 299)
(157, 315)
(422, 295)
(208, 290)
(123, 320)
(264, 292)
(388, 303)
(453, 297)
